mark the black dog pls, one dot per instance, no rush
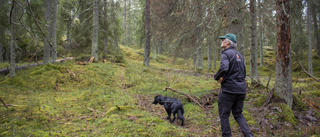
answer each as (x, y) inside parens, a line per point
(171, 105)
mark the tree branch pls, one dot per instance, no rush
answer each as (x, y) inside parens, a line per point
(44, 35)
(194, 100)
(4, 103)
(260, 83)
(304, 70)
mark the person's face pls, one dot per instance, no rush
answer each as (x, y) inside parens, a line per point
(224, 43)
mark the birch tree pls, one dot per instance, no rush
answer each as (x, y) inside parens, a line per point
(283, 82)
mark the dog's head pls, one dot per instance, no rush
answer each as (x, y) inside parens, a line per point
(158, 99)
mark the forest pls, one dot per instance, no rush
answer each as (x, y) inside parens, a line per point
(94, 67)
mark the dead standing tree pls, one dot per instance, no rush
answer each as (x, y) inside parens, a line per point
(283, 83)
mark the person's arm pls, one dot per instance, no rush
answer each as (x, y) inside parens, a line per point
(224, 67)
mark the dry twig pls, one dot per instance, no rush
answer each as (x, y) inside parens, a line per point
(259, 82)
(4, 103)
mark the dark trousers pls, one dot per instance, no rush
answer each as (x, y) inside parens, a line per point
(232, 102)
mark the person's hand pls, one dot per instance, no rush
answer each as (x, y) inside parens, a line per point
(220, 80)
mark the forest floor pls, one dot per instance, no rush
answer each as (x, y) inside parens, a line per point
(115, 99)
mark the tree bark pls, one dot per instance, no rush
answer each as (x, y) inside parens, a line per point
(125, 22)
(95, 33)
(316, 29)
(310, 68)
(198, 32)
(105, 29)
(260, 33)
(146, 56)
(54, 30)
(1, 44)
(12, 51)
(12, 72)
(254, 56)
(283, 83)
(209, 52)
(46, 42)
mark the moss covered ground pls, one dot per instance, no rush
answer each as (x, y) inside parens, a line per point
(115, 99)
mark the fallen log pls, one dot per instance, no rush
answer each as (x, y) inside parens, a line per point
(6, 70)
(194, 100)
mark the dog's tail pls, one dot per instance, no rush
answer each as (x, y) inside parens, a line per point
(180, 115)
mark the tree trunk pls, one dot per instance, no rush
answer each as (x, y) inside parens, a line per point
(125, 23)
(199, 58)
(209, 52)
(54, 30)
(129, 27)
(233, 16)
(68, 48)
(105, 40)
(95, 33)
(214, 54)
(1, 44)
(46, 42)
(283, 83)
(146, 56)
(12, 72)
(316, 29)
(198, 32)
(310, 69)
(260, 33)
(254, 56)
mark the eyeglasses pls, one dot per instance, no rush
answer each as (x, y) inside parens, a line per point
(222, 40)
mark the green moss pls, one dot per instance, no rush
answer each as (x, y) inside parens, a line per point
(286, 114)
(315, 93)
(260, 101)
(298, 104)
(182, 86)
(263, 68)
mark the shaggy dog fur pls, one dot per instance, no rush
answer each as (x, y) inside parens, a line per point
(171, 105)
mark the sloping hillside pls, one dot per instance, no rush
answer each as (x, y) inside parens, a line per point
(115, 99)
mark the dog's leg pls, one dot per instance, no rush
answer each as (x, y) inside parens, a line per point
(169, 114)
(167, 108)
(180, 116)
(174, 111)
(174, 117)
